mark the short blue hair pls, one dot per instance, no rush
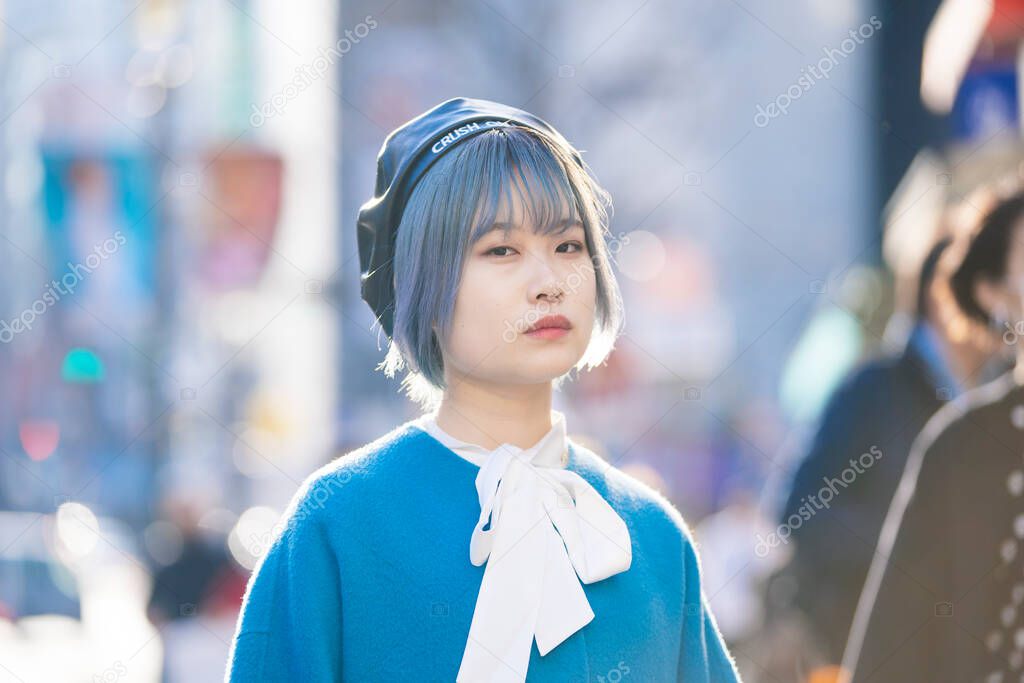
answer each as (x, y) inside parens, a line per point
(453, 205)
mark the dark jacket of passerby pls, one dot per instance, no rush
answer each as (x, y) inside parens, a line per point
(944, 599)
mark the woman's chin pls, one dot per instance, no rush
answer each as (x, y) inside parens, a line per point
(545, 367)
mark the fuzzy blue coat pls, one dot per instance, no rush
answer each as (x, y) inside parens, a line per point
(369, 579)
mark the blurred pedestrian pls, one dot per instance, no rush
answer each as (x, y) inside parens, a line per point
(832, 523)
(944, 598)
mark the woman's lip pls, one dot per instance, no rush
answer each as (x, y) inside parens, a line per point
(548, 333)
(551, 322)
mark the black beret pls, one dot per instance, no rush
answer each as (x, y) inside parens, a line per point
(404, 157)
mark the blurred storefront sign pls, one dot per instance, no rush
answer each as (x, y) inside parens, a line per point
(243, 189)
(972, 57)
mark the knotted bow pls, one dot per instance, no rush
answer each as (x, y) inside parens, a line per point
(540, 527)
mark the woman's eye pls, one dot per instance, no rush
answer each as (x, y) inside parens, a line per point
(578, 247)
(493, 251)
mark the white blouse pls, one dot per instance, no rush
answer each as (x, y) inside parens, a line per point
(548, 526)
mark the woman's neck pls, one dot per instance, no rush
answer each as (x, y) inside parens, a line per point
(490, 415)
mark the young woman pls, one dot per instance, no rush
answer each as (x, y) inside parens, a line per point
(477, 542)
(944, 598)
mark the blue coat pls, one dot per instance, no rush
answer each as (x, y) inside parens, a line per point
(369, 579)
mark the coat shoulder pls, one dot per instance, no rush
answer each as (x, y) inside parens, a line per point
(364, 473)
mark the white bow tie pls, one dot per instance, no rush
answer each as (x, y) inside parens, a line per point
(547, 525)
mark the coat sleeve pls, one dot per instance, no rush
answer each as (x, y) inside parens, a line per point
(290, 625)
(703, 656)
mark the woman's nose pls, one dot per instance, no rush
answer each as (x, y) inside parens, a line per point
(551, 294)
(545, 282)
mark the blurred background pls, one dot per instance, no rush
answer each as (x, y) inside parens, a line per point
(181, 334)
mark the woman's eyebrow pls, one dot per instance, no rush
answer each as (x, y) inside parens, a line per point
(569, 224)
(561, 226)
(502, 227)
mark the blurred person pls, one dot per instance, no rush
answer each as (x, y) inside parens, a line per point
(843, 487)
(195, 596)
(181, 587)
(944, 596)
(450, 547)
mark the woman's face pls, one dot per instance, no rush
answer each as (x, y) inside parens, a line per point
(510, 283)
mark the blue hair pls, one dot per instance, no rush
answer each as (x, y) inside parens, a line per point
(453, 205)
